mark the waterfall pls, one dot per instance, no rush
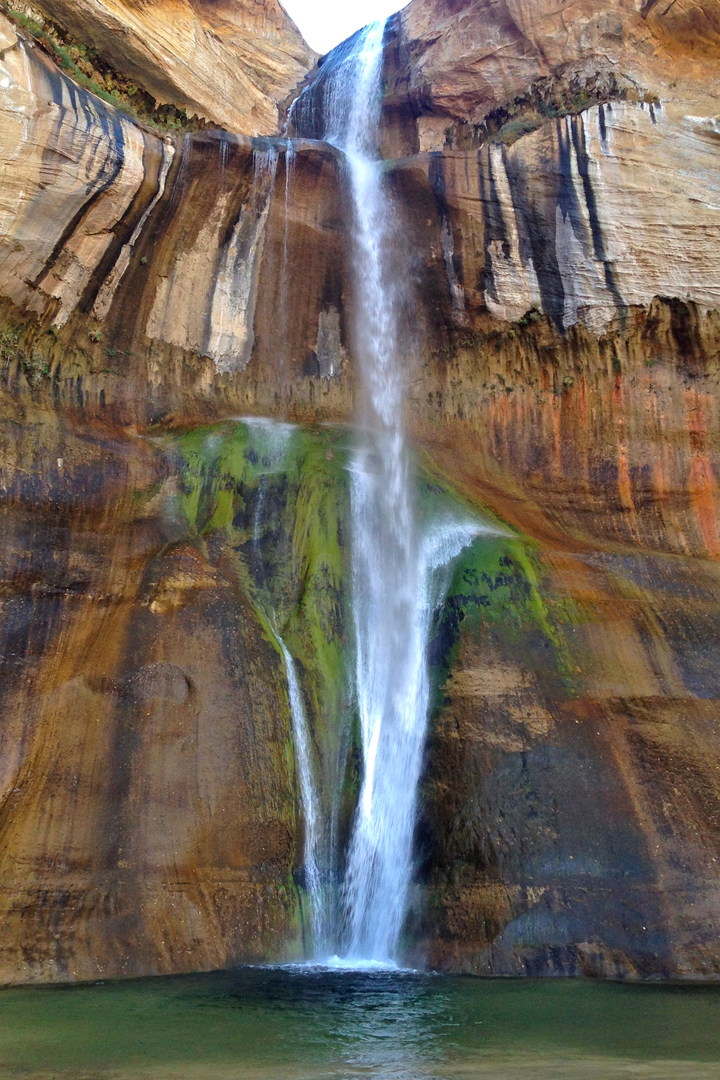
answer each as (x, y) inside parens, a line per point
(285, 273)
(310, 803)
(393, 696)
(385, 578)
(396, 582)
(271, 442)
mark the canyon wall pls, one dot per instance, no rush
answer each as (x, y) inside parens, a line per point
(455, 66)
(556, 181)
(224, 61)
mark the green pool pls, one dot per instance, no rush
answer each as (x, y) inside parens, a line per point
(295, 1024)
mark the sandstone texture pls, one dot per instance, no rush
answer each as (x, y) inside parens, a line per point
(229, 62)
(101, 217)
(581, 219)
(147, 814)
(457, 62)
(566, 277)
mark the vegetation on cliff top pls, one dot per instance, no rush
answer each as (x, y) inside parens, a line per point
(548, 99)
(85, 67)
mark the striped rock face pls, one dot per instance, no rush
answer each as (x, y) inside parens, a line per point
(226, 62)
(458, 62)
(101, 218)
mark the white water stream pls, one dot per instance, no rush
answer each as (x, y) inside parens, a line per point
(396, 583)
(271, 441)
(310, 804)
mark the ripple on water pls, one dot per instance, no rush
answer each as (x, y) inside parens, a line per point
(322, 1023)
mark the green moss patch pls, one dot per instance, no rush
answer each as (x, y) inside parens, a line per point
(269, 505)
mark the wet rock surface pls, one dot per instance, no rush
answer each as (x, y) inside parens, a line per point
(147, 810)
(451, 66)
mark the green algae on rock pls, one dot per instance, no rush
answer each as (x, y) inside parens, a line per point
(267, 504)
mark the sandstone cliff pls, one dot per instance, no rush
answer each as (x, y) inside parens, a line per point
(567, 286)
(226, 62)
(579, 219)
(456, 63)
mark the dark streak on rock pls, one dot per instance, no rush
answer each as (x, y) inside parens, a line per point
(152, 165)
(493, 219)
(536, 242)
(567, 196)
(525, 244)
(236, 209)
(149, 244)
(113, 140)
(583, 162)
(438, 188)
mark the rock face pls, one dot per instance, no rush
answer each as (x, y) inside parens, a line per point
(229, 62)
(567, 277)
(106, 217)
(555, 222)
(147, 809)
(568, 798)
(455, 63)
(205, 238)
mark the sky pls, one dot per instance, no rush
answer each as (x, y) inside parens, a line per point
(325, 23)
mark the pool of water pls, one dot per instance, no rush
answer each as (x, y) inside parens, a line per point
(295, 1024)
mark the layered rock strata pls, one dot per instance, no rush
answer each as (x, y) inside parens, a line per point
(571, 221)
(453, 65)
(225, 62)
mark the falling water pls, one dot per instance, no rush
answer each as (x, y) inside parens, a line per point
(310, 802)
(395, 568)
(393, 694)
(271, 442)
(385, 589)
(284, 313)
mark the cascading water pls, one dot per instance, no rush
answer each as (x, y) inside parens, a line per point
(310, 803)
(271, 442)
(395, 584)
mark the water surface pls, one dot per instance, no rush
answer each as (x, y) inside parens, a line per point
(294, 1024)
